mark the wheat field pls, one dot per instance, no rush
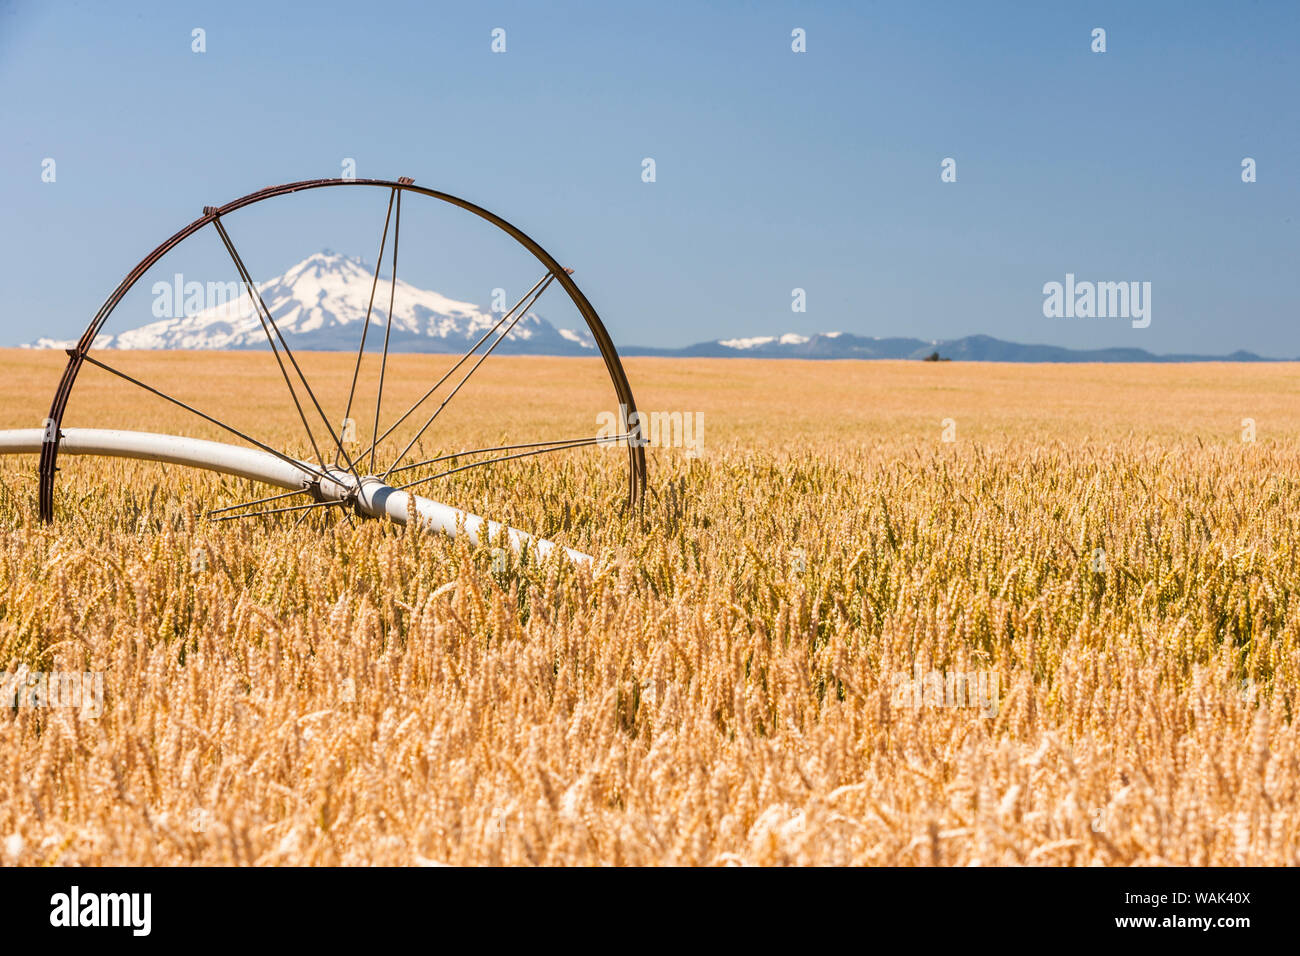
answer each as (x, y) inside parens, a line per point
(765, 665)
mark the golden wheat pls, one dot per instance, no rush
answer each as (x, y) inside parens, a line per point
(724, 687)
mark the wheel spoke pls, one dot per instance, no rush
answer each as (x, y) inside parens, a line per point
(265, 317)
(579, 443)
(388, 331)
(383, 241)
(277, 511)
(259, 305)
(571, 442)
(259, 501)
(451, 371)
(206, 417)
(482, 358)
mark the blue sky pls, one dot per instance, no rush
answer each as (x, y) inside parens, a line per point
(775, 170)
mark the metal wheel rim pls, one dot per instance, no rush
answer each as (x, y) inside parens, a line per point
(77, 356)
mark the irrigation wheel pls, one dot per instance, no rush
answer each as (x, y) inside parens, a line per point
(374, 481)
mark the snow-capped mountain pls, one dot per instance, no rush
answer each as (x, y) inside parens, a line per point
(320, 303)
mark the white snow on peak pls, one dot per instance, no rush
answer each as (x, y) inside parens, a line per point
(790, 338)
(44, 343)
(749, 343)
(578, 338)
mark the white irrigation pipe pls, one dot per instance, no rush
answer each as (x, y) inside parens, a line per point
(373, 497)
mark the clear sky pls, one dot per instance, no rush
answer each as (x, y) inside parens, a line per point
(775, 170)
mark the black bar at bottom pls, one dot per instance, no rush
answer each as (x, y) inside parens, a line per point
(841, 909)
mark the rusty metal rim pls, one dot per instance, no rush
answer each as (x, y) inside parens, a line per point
(76, 356)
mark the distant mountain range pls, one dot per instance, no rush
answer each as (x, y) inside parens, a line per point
(320, 303)
(972, 348)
